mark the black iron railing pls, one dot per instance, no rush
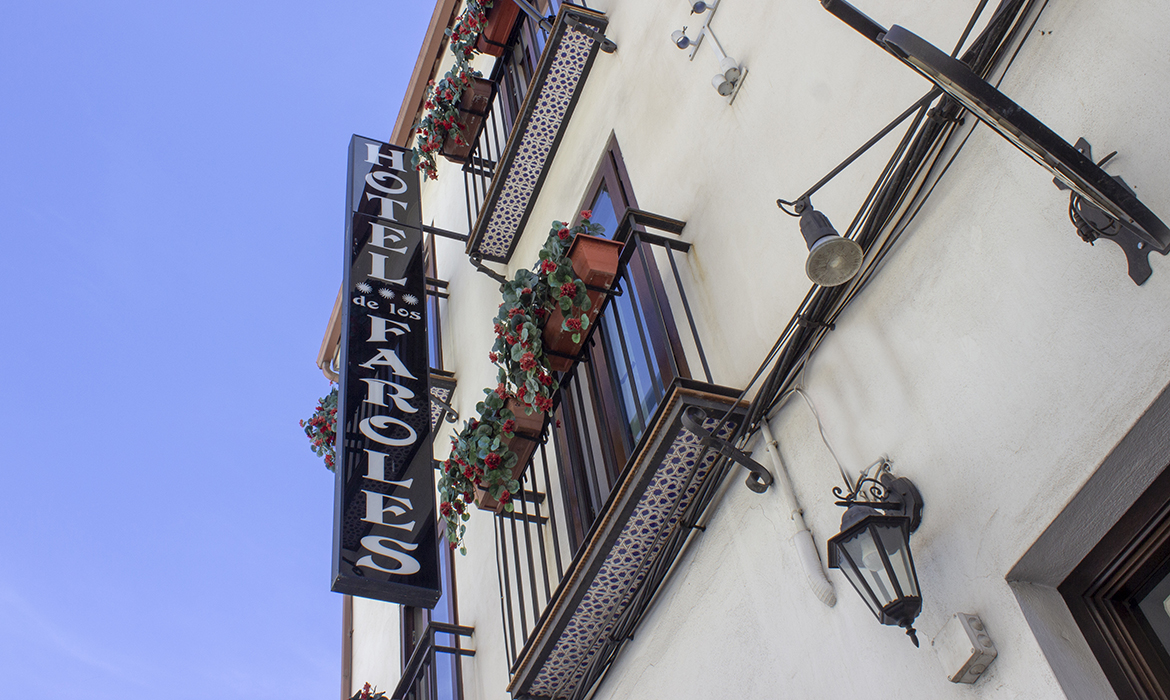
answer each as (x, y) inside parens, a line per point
(435, 671)
(632, 354)
(511, 78)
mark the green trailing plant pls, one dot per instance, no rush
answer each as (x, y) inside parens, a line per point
(480, 458)
(441, 118)
(321, 428)
(529, 299)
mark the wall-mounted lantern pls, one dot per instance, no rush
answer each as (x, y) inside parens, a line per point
(873, 547)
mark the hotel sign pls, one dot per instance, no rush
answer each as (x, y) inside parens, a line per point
(384, 531)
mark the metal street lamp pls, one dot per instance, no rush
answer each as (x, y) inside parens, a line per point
(873, 547)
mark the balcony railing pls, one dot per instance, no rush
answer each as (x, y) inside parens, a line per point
(604, 410)
(511, 77)
(534, 87)
(435, 671)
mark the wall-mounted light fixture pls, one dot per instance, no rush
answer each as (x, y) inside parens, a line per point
(731, 74)
(832, 260)
(873, 547)
(1072, 167)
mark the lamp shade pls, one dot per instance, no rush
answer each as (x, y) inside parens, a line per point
(873, 551)
(832, 260)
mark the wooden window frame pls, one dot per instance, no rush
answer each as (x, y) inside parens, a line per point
(1104, 590)
(587, 484)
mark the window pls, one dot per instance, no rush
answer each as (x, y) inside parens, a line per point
(1119, 596)
(441, 678)
(608, 400)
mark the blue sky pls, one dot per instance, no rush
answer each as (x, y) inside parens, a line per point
(172, 181)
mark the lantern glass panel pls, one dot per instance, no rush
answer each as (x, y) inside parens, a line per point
(895, 540)
(856, 580)
(862, 548)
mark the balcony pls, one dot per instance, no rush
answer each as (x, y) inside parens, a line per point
(534, 86)
(613, 490)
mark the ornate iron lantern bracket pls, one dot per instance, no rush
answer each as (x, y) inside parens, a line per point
(896, 495)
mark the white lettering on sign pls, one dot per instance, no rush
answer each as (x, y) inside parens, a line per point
(388, 358)
(378, 270)
(386, 206)
(378, 237)
(368, 426)
(407, 564)
(392, 412)
(379, 327)
(376, 469)
(374, 157)
(376, 509)
(400, 395)
(378, 177)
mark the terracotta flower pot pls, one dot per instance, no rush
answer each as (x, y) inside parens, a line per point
(595, 261)
(474, 104)
(501, 19)
(527, 436)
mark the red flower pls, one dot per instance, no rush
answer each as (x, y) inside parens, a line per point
(445, 509)
(586, 213)
(502, 391)
(545, 379)
(510, 339)
(521, 392)
(526, 290)
(568, 289)
(573, 324)
(527, 361)
(505, 496)
(493, 357)
(509, 426)
(564, 234)
(548, 267)
(544, 403)
(492, 460)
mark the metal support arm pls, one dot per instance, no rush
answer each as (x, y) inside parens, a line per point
(759, 478)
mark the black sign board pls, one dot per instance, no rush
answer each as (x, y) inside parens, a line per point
(385, 543)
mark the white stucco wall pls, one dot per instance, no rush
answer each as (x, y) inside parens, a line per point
(995, 358)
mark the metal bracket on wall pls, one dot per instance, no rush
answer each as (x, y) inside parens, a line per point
(477, 262)
(759, 478)
(607, 45)
(1093, 223)
(448, 413)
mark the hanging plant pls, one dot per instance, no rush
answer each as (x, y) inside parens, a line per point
(369, 693)
(480, 459)
(442, 100)
(481, 463)
(529, 299)
(321, 428)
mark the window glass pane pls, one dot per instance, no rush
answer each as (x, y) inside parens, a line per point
(635, 369)
(603, 211)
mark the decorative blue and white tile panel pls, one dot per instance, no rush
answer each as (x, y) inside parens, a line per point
(670, 469)
(532, 145)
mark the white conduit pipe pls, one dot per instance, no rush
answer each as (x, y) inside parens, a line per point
(806, 549)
